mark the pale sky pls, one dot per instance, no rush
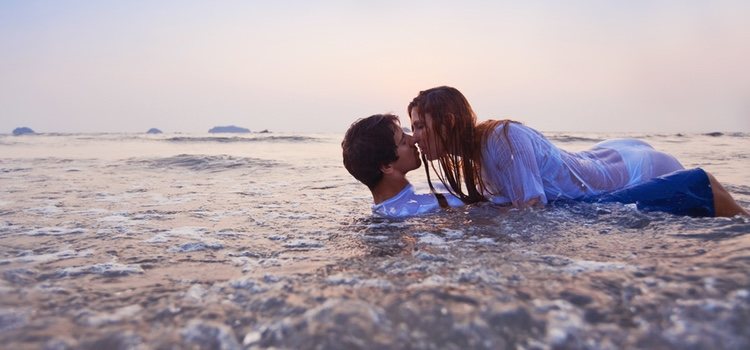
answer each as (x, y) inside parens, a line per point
(316, 66)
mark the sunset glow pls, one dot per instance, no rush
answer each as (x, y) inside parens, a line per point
(87, 66)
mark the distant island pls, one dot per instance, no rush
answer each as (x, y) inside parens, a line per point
(228, 129)
(22, 131)
(153, 131)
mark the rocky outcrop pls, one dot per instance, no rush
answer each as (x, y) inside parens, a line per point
(22, 131)
(228, 129)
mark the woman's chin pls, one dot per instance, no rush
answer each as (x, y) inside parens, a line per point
(430, 156)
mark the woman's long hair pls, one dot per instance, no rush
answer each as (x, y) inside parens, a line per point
(454, 124)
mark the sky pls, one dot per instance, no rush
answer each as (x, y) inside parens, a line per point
(316, 66)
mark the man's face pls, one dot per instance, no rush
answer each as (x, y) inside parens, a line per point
(425, 136)
(408, 155)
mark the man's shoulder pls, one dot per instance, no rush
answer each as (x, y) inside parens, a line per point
(409, 203)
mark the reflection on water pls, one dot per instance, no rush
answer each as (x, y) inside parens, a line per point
(251, 245)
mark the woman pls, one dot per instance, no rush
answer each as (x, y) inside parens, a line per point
(509, 163)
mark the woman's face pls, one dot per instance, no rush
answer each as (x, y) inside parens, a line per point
(424, 134)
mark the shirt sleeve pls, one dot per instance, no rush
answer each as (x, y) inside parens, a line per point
(510, 165)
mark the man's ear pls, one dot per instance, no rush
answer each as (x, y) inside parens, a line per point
(386, 168)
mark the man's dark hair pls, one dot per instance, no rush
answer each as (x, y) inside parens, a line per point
(368, 145)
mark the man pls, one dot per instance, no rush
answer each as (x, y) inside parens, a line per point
(378, 153)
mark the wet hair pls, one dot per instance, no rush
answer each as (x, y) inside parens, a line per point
(455, 125)
(368, 145)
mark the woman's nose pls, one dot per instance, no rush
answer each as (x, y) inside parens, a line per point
(412, 139)
(415, 136)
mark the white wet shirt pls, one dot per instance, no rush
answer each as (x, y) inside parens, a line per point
(407, 203)
(525, 165)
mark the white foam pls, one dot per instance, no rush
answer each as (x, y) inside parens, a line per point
(477, 274)
(42, 258)
(272, 262)
(378, 238)
(248, 284)
(13, 318)
(54, 231)
(228, 233)
(342, 279)
(160, 199)
(196, 293)
(300, 216)
(108, 197)
(303, 244)
(92, 212)
(432, 281)
(105, 269)
(247, 264)
(580, 266)
(189, 232)
(431, 239)
(158, 238)
(376, 283)
(119, 315)
(47, 210)
(425, 256)
(116, 218)
(251, 338)
(387, 224)
(563, 320)
(202, 332)
(222, 215)
(195, 247)
(453, 234)
(485, 241)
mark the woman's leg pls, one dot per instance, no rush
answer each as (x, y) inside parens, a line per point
(692, 192)
(724, 204)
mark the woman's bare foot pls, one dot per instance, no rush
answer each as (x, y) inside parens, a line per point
(724, 204)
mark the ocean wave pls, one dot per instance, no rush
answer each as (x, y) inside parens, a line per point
(14, 170)
(569, 138)
(242, 139)
(104, 269)
(730, 134)
(714, 134)
(738, 189)
(204, 162)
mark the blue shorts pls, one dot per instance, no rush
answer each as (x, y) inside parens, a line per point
(683, 192)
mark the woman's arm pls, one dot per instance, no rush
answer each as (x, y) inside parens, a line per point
(511, 167)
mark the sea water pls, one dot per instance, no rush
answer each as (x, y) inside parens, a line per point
(129, 241)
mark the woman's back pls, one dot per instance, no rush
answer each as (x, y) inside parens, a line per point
(642, 161)
(521, 164)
